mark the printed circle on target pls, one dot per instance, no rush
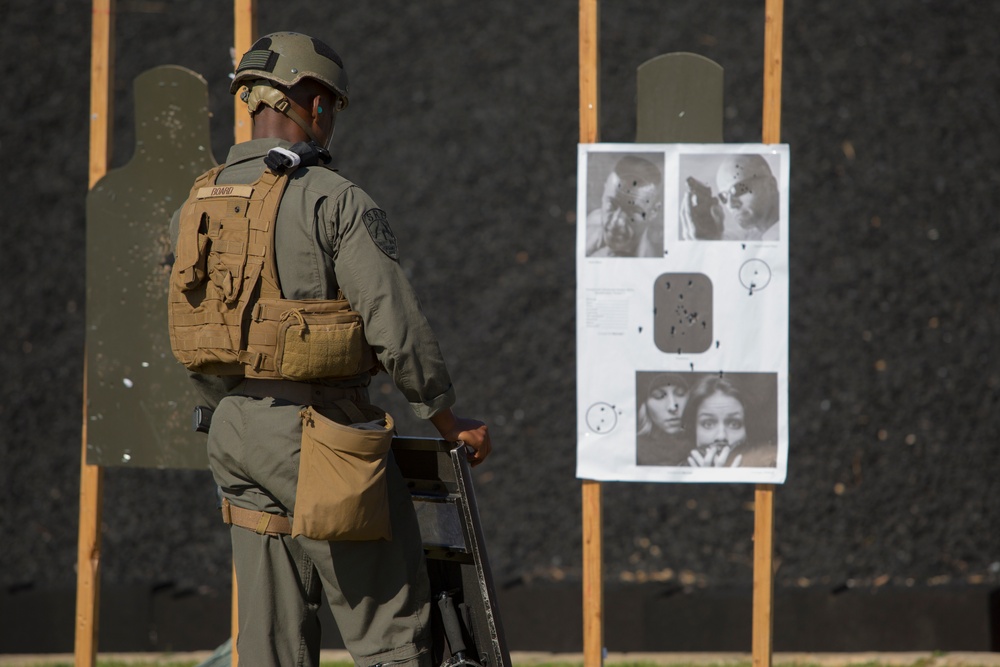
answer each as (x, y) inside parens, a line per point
(755, 275)
(601, 417)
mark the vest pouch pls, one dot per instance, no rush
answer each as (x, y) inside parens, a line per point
(342, 492)
(320, 339)
(227, 261)
(206, 333)
(191, 271)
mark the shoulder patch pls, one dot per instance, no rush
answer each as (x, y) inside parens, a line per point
(378, 228)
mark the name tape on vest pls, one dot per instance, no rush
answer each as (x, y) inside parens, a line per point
(225, 191)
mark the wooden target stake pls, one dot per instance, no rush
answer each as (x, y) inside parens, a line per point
(244, 35)
(593, 584)
(88, 580)
(763, 550)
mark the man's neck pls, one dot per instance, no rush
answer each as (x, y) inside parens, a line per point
(268, 124)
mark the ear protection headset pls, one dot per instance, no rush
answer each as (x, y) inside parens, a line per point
(261, 92)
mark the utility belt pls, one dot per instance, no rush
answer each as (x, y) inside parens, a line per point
(304, 393)
(342, 490)
(262, 523)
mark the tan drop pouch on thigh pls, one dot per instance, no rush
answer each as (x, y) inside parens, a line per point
(341, 492)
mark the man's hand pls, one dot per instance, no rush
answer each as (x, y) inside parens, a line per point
(700, 216)
(472, 432)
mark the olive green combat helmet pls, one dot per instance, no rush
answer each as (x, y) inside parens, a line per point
(285, 58)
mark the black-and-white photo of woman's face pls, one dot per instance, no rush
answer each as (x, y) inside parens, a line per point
(665, 407)
(721, 422)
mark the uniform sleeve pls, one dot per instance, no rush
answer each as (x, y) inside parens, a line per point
(367, 268)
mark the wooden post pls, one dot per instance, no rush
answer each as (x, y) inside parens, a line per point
(773, 29)
(593, 585)
(590, 56)
(763, 550)
(88, 555)
(88, 580)
(244, 35)
(102, 67)
(763, 575)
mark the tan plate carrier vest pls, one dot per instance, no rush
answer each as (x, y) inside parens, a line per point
(227, 315)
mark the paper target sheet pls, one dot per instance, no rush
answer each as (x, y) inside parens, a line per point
(682, 312)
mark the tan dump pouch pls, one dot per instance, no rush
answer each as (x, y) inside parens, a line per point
(342, 492)
(318, 339)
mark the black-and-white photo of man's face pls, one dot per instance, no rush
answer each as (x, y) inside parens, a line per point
(748, 193)
(728, 198)
(629, 221)
(628, 207)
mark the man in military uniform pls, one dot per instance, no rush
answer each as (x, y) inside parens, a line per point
(329, 238)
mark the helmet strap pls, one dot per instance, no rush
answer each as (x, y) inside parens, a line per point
(260, 92)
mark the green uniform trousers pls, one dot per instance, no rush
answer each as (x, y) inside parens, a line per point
(377, 590)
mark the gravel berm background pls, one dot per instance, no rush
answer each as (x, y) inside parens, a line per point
(463, 125)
